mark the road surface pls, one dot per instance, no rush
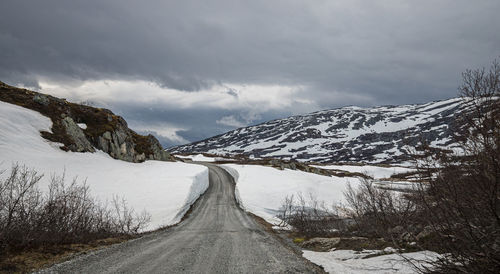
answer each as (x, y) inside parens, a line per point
(217, 237)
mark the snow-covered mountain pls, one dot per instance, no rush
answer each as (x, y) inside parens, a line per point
(378, 134)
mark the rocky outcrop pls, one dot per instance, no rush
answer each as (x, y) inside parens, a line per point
(157, 151)
(41, 99)
(119, 145)
(104, 130)
(75, 133)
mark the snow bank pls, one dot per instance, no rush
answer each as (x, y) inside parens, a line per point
(203, 158)
(261, 190)
(375, 172)
(197, 158)
(164, 189)
(349, 261)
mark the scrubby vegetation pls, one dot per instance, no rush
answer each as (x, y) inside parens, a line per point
(454, 208)
(65, 214)
(310, 217)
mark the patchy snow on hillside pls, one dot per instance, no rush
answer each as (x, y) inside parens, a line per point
(163, 189)
(385, 134)
(350, 261)
(376, 172)
(262, 190)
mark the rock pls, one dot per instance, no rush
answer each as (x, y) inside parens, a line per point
(425, 233)
(119, 144)
(389, 250)
(140, 157)
(107, 135)
(103, 142)
(122, 135)
(158, 152)
(123, 148)
(75, 133)
(321, 244)
(41, 99)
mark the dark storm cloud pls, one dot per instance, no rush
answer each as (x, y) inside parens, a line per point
(201, 121)
(340, 52)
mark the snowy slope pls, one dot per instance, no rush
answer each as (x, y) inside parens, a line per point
(261, 190)
(353, 262)
(375, 172)
(164, 189)
(202, 158)
(379, 134)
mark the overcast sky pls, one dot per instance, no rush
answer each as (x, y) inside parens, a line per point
(187, 70)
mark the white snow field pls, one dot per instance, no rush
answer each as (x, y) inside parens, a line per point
(376, 172)
(349, 261)
(261, 190)
(202, 158)
(197, 158)
(163, 189)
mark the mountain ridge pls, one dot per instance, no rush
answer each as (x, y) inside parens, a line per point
(349, 133)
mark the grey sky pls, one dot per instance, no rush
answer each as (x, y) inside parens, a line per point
(191, 69)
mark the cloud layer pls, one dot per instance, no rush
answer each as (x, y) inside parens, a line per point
(201, 67)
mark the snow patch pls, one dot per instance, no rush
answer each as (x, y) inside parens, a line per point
(164, 189)
(349, 261)
(82, 125)
(263, 189)
(203, 158)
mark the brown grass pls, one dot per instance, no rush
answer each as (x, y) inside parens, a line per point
(37, 258)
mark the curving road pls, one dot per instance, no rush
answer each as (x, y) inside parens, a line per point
(217, 237)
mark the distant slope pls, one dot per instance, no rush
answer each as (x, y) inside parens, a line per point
(82, 128)
(378, 134)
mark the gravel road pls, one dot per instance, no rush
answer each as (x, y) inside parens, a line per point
(217, 237)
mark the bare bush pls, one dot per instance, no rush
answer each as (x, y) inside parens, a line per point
(309, 216)
(377, 211)
(457, 203)
(67, 213)
(20, 203)
(462, 199)
(125, 220)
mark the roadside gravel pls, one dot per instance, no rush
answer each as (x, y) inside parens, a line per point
(217, 237)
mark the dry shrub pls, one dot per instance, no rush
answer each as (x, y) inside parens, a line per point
(458, 200)
(377, 211)
(462, 199)
(456, 207)
(67, 213)
(309, 216)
